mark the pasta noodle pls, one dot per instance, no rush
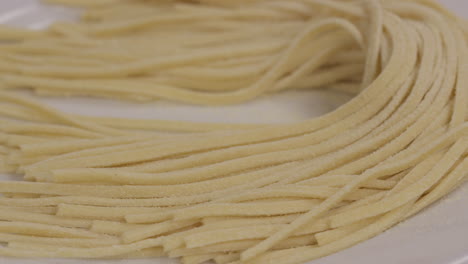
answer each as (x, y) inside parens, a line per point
(110, 187)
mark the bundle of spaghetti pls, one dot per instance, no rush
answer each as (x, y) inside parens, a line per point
(186, 52)
(98, 187)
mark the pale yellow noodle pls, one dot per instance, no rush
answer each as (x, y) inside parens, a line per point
(112, 187)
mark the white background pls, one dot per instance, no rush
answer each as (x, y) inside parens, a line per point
(438, 235)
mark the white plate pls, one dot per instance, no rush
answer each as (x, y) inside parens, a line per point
(438, 235)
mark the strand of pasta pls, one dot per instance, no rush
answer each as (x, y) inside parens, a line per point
(99, 187)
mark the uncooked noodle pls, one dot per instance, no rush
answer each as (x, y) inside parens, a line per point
(98, 187)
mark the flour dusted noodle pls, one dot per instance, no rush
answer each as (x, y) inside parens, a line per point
(99, 187)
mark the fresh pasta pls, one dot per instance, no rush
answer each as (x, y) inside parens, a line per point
(101, 187)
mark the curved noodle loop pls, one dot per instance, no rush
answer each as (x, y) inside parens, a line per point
(96, 187)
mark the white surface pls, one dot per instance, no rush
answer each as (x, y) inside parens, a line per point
(438, 235)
